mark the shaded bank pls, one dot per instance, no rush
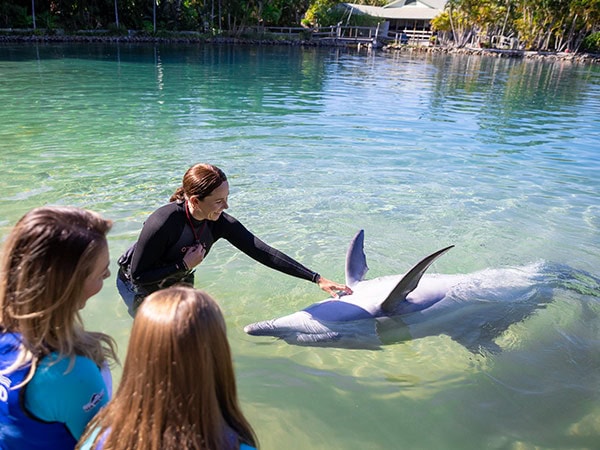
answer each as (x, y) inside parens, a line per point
(563, 56)
(194, 38)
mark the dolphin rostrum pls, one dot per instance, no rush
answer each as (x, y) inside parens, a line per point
(472, 309)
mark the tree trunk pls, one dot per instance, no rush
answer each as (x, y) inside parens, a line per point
(33, 13)
(505, 19)
(571, 33)
(220, 15)
(452, 26)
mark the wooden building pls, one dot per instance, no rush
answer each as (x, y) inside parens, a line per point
(403, 15)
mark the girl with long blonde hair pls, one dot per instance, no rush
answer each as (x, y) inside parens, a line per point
(178, 388)
(54, 374)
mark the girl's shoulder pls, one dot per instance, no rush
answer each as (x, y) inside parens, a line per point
(67, 390)
(55, 362)
(10, 340)
(64, 376)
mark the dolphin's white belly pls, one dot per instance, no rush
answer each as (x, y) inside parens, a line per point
(434, 287)
(369, 294)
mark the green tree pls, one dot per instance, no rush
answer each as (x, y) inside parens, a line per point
(584, 18)
(539, 24)
(323, 13)
(333, 12)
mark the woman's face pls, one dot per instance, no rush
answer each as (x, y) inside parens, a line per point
(213, 204)
(100, 272)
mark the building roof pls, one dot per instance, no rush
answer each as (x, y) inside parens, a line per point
(403, 9)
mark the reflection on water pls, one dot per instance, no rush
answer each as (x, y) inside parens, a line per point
(497, 156)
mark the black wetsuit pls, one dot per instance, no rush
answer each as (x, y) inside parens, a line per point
(157, 258)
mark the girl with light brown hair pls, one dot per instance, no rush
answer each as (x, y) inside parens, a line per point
(178, 388)
(53, 373)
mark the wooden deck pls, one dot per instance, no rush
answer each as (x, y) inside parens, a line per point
(368, 36)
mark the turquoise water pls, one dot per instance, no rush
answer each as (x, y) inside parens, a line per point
(500, 157)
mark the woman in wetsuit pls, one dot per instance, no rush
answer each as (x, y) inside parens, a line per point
(178, 236)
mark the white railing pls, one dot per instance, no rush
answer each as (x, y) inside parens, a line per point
(324, 32)
(410, 37)
(414, 37)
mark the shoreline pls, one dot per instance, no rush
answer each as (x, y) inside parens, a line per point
(498, 53)
(195, 39)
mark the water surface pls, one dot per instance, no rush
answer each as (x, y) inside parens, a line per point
(499, 157)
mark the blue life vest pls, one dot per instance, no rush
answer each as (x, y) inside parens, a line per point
(19, 430)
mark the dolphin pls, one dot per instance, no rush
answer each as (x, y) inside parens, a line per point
(473, 309)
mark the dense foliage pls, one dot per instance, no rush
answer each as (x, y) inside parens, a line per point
(331, 12)
(557, 25)
(561, 25)
(189, 15)
(591, 43)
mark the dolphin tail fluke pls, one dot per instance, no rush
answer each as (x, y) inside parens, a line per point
(410, 281)
(356, 261)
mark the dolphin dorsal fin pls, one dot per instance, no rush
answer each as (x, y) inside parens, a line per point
(356, 261)
(410, 281)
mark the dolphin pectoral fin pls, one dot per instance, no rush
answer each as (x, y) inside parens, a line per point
(392, 330)
(356, 261)
(410, 281)
(316, 338)
(337, 340)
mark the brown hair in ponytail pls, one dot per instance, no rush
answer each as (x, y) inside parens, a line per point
(199, 181)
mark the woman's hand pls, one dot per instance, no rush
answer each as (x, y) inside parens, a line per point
(333, 289)
(194, 256)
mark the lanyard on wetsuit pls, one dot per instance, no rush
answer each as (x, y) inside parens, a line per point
(187, 214)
